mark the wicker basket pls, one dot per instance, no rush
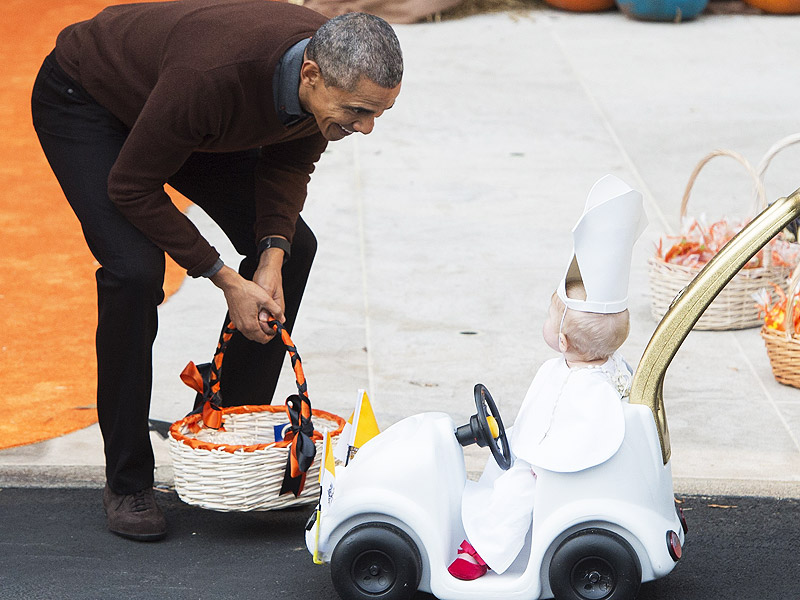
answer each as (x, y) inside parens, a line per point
(783, 348)
(235, 458)
(235, 477)
(733, 308)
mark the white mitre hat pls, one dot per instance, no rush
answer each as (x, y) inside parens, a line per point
(603, 239)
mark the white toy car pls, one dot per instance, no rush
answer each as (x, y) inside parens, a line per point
(395, 519)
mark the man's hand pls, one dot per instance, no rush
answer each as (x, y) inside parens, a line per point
(252, 303)
(268, 276)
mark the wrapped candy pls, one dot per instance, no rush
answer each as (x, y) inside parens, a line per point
(700, 242)
(773, 308)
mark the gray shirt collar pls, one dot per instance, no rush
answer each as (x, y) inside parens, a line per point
(286, 82)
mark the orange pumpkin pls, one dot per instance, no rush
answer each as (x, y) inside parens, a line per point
(778, 7)
(582, 5)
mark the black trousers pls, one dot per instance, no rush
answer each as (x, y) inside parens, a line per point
(81, 141)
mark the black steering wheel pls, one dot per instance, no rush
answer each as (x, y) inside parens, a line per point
(479, 429)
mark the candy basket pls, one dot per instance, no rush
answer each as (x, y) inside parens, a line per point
(249, 458)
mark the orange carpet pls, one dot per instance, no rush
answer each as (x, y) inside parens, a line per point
(47, 293)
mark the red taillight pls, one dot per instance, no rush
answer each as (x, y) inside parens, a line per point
(674, 545)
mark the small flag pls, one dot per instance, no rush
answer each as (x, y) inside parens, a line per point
(364, 424)
(342, 450)
(359, 429)
(327, 478)
(327, 474)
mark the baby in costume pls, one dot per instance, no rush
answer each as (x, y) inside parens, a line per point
(572, 417)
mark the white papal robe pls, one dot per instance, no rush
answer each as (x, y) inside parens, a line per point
(571, 419)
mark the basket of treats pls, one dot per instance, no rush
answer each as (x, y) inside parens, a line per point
(248, 458)
(679, 258)
(781, 320)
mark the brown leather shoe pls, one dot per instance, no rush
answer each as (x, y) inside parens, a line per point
(134, 516)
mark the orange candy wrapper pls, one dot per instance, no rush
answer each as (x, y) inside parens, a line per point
(774, 313)
(700, 242)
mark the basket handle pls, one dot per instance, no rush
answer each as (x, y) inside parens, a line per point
(212, 408)
(302, 448)
(761, 197)
(776, 148)
(781, 144)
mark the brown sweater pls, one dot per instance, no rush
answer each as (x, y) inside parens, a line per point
(195, 75)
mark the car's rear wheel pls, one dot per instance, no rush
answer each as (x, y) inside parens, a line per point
(376, 561)
(595, 564)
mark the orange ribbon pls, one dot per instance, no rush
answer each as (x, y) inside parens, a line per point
(191, 377)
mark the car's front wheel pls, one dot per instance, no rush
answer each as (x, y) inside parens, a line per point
(595, 564)
(376, 561)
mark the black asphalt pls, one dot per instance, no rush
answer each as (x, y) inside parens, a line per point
(54, 545)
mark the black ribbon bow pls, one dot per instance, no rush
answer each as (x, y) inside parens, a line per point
(302, 449)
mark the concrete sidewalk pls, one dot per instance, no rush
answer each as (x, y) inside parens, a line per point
(443, 234)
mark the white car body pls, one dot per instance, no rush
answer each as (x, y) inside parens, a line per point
(412, 476)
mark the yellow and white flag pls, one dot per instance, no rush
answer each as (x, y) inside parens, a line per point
(327, 473)
(359, 429)
(327, 480)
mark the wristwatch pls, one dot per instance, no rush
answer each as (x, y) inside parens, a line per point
(275, 242)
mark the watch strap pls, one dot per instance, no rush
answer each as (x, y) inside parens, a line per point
(275, 242)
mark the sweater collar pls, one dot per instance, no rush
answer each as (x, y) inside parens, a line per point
(285, 85)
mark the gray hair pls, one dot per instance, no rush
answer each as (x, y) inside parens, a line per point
(357, 45)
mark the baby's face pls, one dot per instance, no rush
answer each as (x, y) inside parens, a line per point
(552, 324)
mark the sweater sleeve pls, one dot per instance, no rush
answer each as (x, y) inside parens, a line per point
(282, 178)
(176, 118)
